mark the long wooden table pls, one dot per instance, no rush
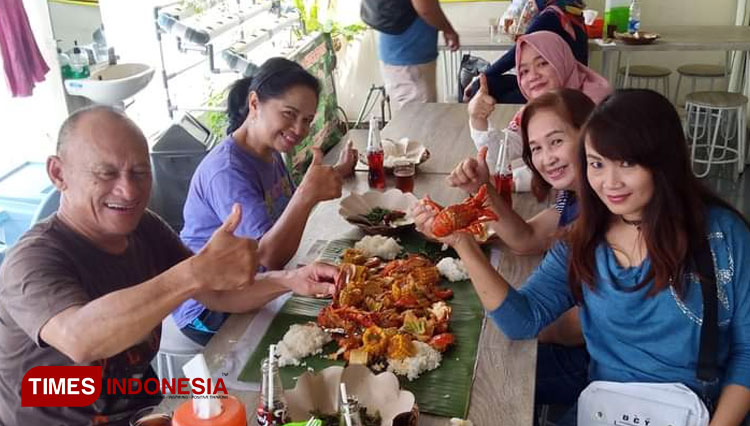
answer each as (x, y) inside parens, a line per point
(503, 389)
(720, 38)
(442, 127)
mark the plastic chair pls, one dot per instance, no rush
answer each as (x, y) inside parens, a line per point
(175, 349)
(49, 205)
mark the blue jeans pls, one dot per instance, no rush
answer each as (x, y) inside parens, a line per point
(562, 373)
(203, 328)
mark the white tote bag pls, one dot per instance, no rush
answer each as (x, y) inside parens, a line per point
(640, 404)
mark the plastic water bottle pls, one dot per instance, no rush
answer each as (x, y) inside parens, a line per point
(64, 60)
(634, 22)
(79, 63)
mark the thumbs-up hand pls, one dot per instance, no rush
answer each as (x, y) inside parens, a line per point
(347, 160)
(317, 154)
(321, 182)
(471, 173)
(481, 105)
(226, 262)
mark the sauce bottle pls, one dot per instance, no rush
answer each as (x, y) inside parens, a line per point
(375, 156)
(504, 175)
(272, 409)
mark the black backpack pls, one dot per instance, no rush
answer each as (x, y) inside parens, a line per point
(471, 66)
(388, 16)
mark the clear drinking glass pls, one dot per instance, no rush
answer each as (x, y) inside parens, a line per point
(404, 172)
(150, 416)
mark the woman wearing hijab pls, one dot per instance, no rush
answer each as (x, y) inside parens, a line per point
(562, 17)
(544, 62)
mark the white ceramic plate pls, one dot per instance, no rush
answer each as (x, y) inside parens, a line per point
(403, 149)
(357, 205)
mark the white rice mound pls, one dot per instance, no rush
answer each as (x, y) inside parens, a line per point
(426, 359)
(377, 245)
(300, 341)
(453, 269)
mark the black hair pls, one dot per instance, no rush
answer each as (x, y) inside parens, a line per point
(271, 80)
(642, 127)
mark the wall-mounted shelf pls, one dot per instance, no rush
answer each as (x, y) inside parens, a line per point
(228, 29)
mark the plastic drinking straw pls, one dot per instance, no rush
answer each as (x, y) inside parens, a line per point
(347, 414)
(271, 350)
(503, 156)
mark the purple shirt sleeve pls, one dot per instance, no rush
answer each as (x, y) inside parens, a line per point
(231, 186)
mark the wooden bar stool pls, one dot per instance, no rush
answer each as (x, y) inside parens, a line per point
(698, 71)
(703, 71)
(641, 76)
(711, 116)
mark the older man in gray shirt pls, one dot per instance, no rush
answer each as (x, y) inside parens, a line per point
(91, 284)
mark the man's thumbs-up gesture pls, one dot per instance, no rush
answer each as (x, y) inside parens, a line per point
(226, 262)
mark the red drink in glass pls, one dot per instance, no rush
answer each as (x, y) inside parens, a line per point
(376, 176)
(404, 174)
(405, 183)
(375, 156)
(504, 187)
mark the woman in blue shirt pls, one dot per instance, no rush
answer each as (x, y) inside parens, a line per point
(550, 130)
(627, 260)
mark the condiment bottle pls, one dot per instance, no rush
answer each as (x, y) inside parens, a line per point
(272, 409)
(375, 156)
(504, 175)
(348, 409)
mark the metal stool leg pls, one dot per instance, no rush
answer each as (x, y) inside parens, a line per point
(741, 138)
(712, 147)
(692, 111)
(677, 89)
(692, 85)
(725, 136)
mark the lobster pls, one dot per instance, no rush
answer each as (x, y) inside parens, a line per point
(468, 215)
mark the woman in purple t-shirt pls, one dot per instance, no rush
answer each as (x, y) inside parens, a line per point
(269, 113)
